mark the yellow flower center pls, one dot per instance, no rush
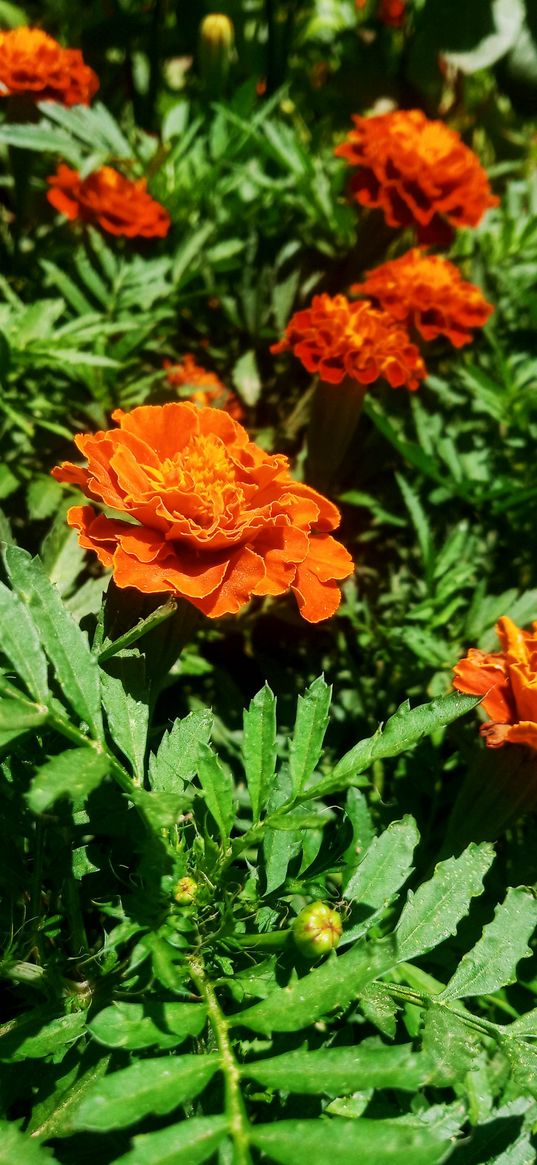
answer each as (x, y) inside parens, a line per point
(203, 469)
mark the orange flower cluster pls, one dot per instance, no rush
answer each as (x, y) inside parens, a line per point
(209, 391)
(210, 516)
(507, 680)
(335, 339)
(35, 65)
(428, 293)
(117, 204)
(417, 171)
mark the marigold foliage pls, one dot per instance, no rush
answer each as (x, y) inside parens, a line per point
(335, 338)
(117, 204)
(507, 680)
(34, 65)
(417, 171)
(428, 293)
(219, 520)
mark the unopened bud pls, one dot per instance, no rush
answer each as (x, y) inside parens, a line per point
(216, 51)
(317, 930)
(185, 891)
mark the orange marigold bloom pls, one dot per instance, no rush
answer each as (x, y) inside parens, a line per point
(119, 205)
(210, 516)
(429, 293)
(508, 681)
(210, 389)
(335, 338)
(417, 171)
(35, 65)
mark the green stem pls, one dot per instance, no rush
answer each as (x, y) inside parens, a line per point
(272, 940)
(238, 1120)
(134, 633)
(410, 995)
(335, 413)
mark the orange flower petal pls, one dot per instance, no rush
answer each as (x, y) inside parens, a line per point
(34, 65)
(109, 200)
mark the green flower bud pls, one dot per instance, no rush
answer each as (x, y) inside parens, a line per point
(216, 51)
(317, 930)
(185, 891)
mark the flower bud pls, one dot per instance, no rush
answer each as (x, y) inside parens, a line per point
(185, 891)
(216, 51)
(317, 930)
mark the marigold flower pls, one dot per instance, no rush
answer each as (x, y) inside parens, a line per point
(119, 205)
(35, 65)
(428, 293)
(335, 338)
(507, 680)
(417, 171)
(210, 516)
(211, 391)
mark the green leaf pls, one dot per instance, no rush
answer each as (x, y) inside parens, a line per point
(401, 731)
(188, 1143)
(147, 1087)
(522, 1057)
(450, 1043)
(61, 638)
(420, 523)
(259, 748)
(39, 1033)
(246, 378)
(335, 984)
(147, 1025)
(339, 1071)
(435, 910)
(125, 698)
(346, 1142)
(74, 774)
(310, 727)
(16, 1147)
(493, 961)
(18, 716)
(177, 757)
(19, 641)
(217, 789)
(384, 869)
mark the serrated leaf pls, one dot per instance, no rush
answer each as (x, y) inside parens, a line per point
(16, 1147)
(125, 697)
(147, 1087)
(188, 1143)
(433, 913)
(493, 961)
(450, 1043)
(401, 731)
(63, 641)
(176, 759)
(39, 1033)
(259, 748)
(384, 869)
(310, 727)
(73, 773)
(522, 1057)
(335, 984)
(217, 789)
(147, 1025)
(339, 1071)
(18, 716)
(345, 1142)
(19, 641)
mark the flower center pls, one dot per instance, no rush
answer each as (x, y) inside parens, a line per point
(205, 470)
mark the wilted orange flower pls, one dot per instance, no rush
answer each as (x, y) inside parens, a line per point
(210, 516)
(508, 681)
(391, 13)
(418, 172)
(429, 293)
(119, 205)
(35, 65)
(210, 390)
(335, 338)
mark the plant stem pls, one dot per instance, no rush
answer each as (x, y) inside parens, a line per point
(238, 1120)
(141, 628)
